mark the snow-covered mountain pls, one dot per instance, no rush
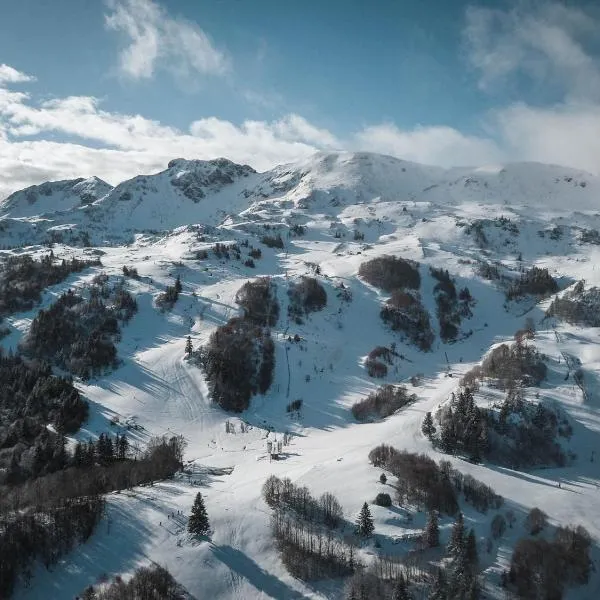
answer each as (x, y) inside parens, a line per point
(324, 217)
(212, 192)
(54, 196)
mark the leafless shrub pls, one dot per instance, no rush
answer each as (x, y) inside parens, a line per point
(383, 402)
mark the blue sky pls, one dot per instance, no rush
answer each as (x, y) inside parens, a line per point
(438, 81)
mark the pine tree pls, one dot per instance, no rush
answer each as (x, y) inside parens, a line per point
(400, 589)
(456, 545)
(178, 286)
(428, 428)
(432, 531)
(471, 550)
(198, 522)
(439, 591)
(123, 446)
(364, 522)
(383, 478)
(188, 346)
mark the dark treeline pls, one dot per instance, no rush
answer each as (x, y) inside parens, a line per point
(31, 398)
(43, 533)
(147, 583)
(22, 279)
(161, 459)
(78, 334)
(46, 517)
(239, 358)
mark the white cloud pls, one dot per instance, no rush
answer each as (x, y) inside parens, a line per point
(444, 146)
(567, 134)
(9, 74)
(153, 38)
(548, 44)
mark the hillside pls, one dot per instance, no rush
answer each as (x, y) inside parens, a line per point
(215, 225)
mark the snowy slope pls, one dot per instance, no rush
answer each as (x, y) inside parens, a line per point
(395, 207)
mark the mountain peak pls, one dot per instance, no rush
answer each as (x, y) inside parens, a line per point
(54, 196)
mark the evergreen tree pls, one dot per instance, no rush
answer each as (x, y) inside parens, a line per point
(383, 478)
(471, 550)
(432, 531)
(456, 545)
(123, 446)
(79, 455)
(439, 591)
(400, 589)
(178, 286)
(198, 522)
(188, 346)
(364, 522)
(428, 428)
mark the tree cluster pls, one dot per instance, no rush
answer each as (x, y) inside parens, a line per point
(391, 273)
(305, 296)
(304, 529)
(535, 282)
(239, 358)
(420, 480)
(405, 313)
(514, 364)
(452, 306)
(238, 362)
(161, 460)
(383, 402)
(130, 272)
(149, 583)
(44, 534)
(541, 569)
(22, 279)
(78, 334)
(515, 433)
(282, 494)
(258, 300)
(378, 359)
(578, 306)
(31, 398)
(272, 241)
(461, 572)
(476, 493)
(166, 300)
